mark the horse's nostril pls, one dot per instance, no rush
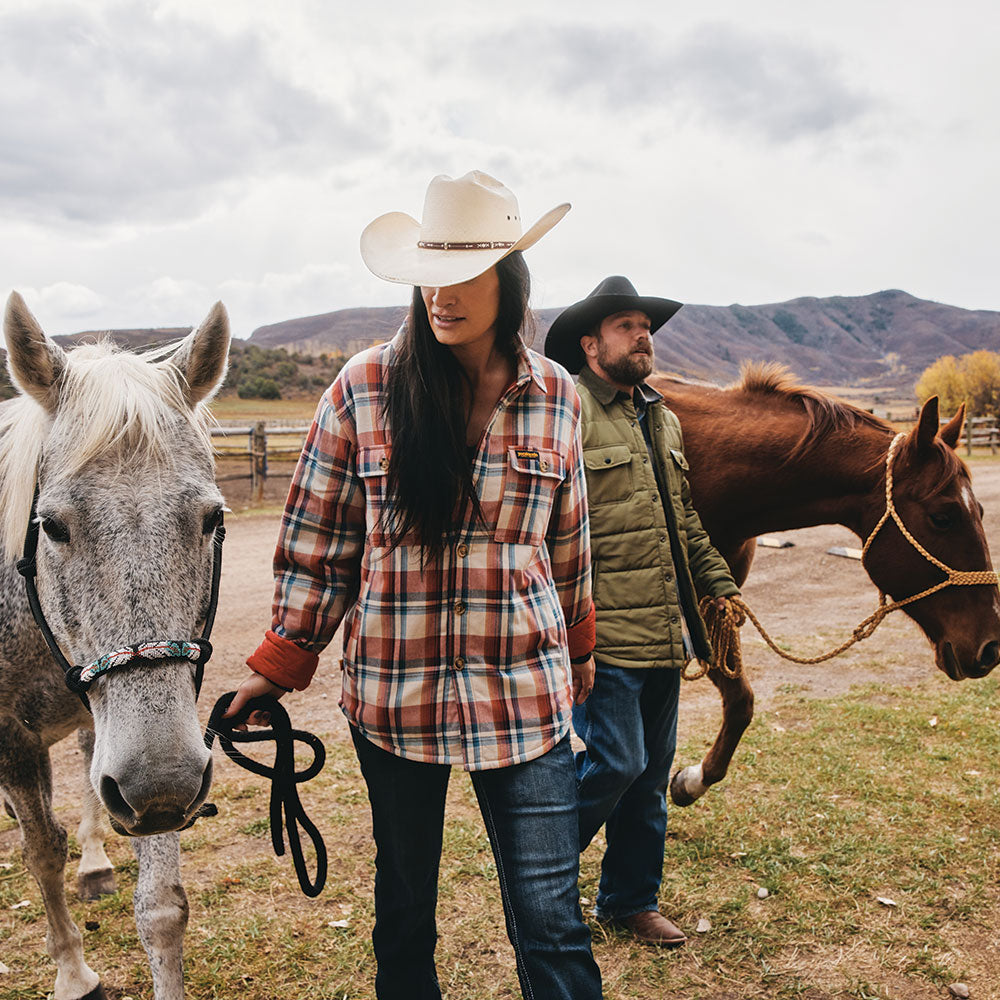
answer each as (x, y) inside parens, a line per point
(114, 801)
(989, 655)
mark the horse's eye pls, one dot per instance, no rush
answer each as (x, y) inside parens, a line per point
(980, 506)
(55, 529)
(941, 521)
(212, 521)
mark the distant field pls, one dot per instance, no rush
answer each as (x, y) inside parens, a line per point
(232, 408)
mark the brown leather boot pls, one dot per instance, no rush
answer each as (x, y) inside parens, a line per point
(652, 927)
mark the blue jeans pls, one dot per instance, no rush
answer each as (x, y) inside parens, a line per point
(629, 725)
(530, 815)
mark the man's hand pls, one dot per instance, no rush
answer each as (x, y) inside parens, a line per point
(720, 603)
(583, 680)
(253, 687)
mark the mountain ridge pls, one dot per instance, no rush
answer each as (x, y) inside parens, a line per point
(886, 338)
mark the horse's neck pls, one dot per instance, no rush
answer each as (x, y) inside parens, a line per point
(745, 485)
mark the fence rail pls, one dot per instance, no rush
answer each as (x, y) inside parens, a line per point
(275, 443)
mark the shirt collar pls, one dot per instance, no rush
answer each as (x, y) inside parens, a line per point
(606, 393)
(529, 367)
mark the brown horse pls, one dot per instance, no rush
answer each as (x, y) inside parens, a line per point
(769, 455)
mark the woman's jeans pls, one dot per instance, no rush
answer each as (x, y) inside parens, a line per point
(629, 724)
(531, 818)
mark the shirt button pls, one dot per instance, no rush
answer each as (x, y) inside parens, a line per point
(675, 620)
(607, 461)
(663, 538)
(668, 577)
(544, 466)
(645, 461)
(459, 662)
(462, 550)
(459, 608)
(383, 463)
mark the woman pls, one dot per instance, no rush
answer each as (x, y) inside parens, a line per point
(439, 507)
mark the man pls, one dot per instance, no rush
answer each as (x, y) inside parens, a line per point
(650, 556)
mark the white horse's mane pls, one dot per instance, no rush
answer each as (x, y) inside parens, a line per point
(109, 399)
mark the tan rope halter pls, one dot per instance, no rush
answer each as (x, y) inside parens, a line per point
(723, 626)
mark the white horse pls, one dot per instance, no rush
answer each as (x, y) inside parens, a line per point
(117, 446)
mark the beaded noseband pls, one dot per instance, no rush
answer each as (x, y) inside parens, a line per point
(78, 679)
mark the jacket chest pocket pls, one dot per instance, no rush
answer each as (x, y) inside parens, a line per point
(373, 470)
(677, 468)
(531, 479)
(609, 474)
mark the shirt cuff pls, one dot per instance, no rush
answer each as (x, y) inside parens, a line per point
(583, 635)
(283, 663)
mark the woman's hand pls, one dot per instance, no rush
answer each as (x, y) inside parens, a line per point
(583, 680)
(253, 687)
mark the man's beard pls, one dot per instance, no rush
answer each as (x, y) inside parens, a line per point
(629, 369)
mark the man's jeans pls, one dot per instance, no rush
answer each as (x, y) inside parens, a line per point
(629, 724)
(530, 815)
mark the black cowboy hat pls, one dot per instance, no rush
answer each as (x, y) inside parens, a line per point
(613, 295)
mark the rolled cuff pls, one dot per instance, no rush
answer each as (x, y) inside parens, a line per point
(583, 635)
(283, 663)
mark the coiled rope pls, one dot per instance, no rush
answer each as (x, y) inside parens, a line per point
(286, 809)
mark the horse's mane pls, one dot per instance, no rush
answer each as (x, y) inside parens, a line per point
(109, 400)
(825, 413)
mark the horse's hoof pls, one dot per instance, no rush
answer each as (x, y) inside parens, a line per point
(97, 993)
(93, 885)
(687, 786)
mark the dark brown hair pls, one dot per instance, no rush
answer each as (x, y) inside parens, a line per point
(429, 477)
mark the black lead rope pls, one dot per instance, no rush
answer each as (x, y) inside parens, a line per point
(283, 776)
(286, 810)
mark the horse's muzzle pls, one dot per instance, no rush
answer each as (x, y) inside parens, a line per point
(162, 813)
(987, 659)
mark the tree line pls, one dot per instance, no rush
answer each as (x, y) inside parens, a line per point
(973, 379)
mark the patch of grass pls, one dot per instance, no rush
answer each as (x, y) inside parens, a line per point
(855, 798)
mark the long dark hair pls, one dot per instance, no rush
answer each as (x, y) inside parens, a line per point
(429, 475)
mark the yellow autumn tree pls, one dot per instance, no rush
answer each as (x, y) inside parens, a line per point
(980, 372)
(945, 380)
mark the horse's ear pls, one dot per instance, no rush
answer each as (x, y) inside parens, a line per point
(952, 431)
(927, 424)
(35, 363)
(202, 357)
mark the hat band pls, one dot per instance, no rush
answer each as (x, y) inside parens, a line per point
(426, 245)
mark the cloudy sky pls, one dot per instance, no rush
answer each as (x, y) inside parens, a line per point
(157, 156)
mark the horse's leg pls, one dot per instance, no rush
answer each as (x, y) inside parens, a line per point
(161, 911)
(25, 765)
(691, 783)
(95, 876)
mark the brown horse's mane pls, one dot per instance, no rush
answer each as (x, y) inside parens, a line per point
(827, 414)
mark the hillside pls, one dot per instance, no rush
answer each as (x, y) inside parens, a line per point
(875, 344)
(885, 339)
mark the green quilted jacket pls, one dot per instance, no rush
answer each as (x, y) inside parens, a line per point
(648, 567)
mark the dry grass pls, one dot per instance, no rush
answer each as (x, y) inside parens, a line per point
(831, 804)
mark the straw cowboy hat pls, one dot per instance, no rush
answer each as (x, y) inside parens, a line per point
(469, 223)
(613, 295)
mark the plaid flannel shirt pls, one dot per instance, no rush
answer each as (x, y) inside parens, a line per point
(465, 660)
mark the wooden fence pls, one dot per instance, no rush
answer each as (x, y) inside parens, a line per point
(261, 443)
(981, 432)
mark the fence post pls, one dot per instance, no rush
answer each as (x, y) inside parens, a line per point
(258, 461)
(968, 434)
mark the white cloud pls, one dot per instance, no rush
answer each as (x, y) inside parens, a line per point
(76, 302)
